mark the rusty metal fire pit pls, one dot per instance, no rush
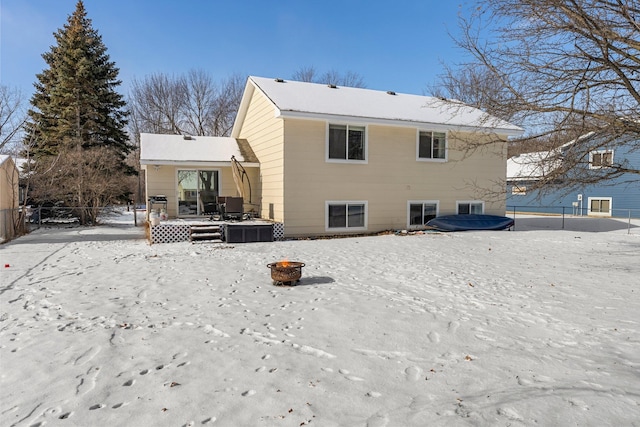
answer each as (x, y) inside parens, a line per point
(285, 272)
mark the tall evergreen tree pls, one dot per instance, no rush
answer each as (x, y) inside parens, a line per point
(76, 109)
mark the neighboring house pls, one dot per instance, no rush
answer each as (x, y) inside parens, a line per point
(346, 160)
(8, 197)
(618, 197)
(23, 174)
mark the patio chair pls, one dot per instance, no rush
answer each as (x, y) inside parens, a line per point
(233, 208)
(207, 200)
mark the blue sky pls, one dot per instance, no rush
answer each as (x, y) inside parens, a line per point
(394, 45)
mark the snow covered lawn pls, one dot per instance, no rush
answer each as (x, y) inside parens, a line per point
(460, 329)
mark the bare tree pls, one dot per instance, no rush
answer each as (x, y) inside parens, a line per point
(88, 188)
(12, 117)
(474, 85)
(191, 104)
(566, 68)
(225, 105)
(157, 104)
(309, 74)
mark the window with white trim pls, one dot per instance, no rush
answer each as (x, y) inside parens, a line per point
(346, 142)
(600, 206)
(421, 211)
(518, 190)
(600, 159)
(432, 145)
(346, 216)
(472, 207)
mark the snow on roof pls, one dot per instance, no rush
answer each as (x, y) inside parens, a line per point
(172, 149)
(312, 100)
(538, 164)
(6, 157)
(531, 166)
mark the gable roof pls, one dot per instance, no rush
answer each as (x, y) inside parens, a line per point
(318, 101)
(539, 164)
(7, 158)
(160, 149)
(531, 166)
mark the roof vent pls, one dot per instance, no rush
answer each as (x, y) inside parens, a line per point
(332, 86)
(390, 92)
(279, 80)
(187, 137)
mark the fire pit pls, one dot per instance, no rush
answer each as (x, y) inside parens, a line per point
(284, 273)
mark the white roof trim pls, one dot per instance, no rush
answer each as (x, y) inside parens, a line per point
(395, 123)
(194, 164)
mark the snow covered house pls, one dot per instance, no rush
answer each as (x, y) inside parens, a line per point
(617, 197)
(331, 160)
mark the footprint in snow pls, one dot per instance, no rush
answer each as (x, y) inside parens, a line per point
(378, 420)
(579, 404)
(87, 355)
(413, 373)
(434, 337)
(88, 381)
(453, 327)
(348, 375)
(509, 413)
(65, 415)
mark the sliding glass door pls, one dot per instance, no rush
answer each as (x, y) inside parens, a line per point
(197, 191)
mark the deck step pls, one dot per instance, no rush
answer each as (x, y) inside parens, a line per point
(205, 233)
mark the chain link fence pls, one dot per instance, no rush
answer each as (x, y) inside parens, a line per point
(19, 221)
(574, 219)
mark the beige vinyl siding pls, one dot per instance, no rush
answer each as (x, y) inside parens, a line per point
(254, 178)
(265, 134)
(162, 181)
(390, 178)
(228, 186)
(8, 198)
(8, 184)
(481, 172)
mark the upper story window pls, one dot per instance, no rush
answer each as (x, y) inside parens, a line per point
(347, 142)
(601, 159)
(519, 190)
(432, 145)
